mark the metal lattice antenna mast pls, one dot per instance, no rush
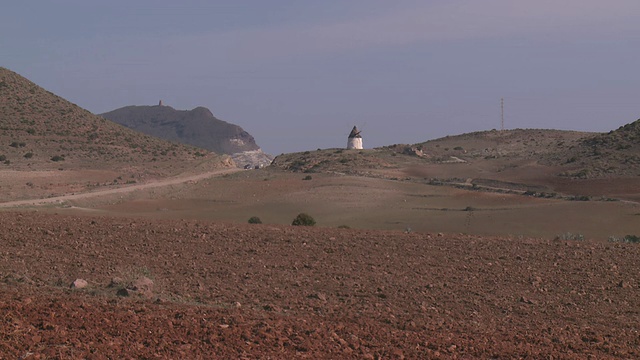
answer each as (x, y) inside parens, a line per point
(501, 114)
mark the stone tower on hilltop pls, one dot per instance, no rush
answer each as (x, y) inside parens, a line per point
(355, 139)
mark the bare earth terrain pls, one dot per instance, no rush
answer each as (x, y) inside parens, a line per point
(494, 244)
(478, 276)
(262, 291)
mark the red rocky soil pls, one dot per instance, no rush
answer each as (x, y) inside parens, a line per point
(273, 292)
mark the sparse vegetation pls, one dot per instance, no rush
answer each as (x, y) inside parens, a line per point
(570, 236)
(308, 177)
(634, 239)
(579, 198)
(28, 155)
(254, 220)
(344, 227)
(57, 158)
(303, 219)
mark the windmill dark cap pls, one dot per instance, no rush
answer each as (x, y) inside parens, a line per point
(355, 133)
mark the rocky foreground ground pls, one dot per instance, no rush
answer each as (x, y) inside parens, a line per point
(215, 290)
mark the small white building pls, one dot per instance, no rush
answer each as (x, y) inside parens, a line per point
(355, 140)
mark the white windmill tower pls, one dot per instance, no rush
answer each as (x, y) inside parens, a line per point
(355, 139)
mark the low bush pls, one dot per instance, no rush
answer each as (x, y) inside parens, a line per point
(255, 220)
(632, 239)
(570, 236)
(303, 220)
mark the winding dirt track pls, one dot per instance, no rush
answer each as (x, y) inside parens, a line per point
(149, 185)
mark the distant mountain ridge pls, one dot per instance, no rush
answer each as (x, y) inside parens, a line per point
(197, 127)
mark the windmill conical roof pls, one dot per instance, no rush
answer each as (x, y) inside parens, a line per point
(355, 133)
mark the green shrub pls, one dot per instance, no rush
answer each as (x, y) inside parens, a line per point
(570, 236)
(632, 239)
(3, 157)
(308, 177)
(303, 220)
(28, 155)
(57, 158)
(255, 220)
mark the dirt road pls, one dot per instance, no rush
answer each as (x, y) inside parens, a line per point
(126, 189)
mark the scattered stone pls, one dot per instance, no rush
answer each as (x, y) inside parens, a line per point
(142, 286)
(319, 296)
(398, 354)
(79, 284)
(526, 300)
(116, 282)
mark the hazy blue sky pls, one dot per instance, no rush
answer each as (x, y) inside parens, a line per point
(299, 74)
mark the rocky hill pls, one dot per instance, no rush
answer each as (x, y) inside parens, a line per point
(49, 146)
(197, 127)
(538, 162)
(616, 153)
(571, 154)
(519, 145)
